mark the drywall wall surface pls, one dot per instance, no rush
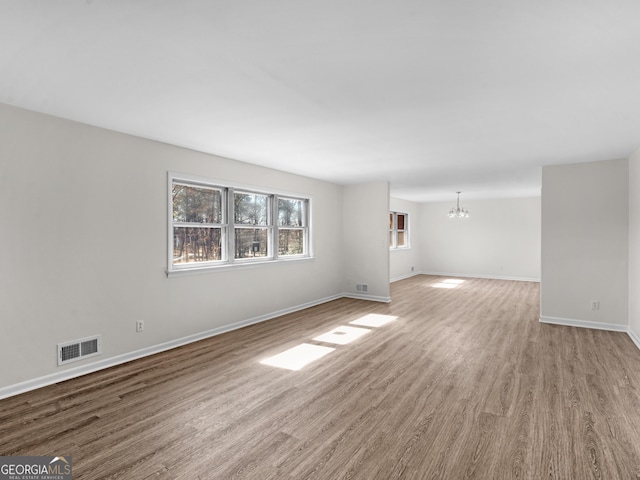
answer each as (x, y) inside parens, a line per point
(585, 240)
(366, 239)
(405, 262)
(499, 239)
(84, 245)
(634, 244)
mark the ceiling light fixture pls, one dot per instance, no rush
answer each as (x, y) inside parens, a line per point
(458, 212)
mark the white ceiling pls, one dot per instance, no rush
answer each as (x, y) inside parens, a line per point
(432, 95)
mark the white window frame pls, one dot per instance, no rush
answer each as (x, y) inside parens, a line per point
(228, 227)
(237, 226)
(394, 231)
(306, 202)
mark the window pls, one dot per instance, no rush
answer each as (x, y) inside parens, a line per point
(251, 224)
(291, 226)
(214, 225)
(198, 226)
(398, 230)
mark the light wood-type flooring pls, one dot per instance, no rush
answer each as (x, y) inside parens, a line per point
(465, 383)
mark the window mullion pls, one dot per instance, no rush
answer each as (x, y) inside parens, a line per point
(395, 229)
(305, 227)
(307, 223)
(273, 230)
(231, 231)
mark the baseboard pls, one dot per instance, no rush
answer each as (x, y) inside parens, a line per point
(371, 298)
(79, 371)
(403, 277)
(490, 277)
(634, 338)
(92, 367)
(570, 322)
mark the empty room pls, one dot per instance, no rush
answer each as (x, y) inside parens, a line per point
(319, 240)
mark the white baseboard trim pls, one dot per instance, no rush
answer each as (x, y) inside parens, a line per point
(634, 338)
(371, 298)
(570, 322)
(79, 371)
(402, 277)
(490, 277)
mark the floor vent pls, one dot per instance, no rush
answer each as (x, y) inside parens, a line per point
(78, 349)
(362, 287)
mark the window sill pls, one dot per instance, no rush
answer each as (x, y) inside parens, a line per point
(234, 266)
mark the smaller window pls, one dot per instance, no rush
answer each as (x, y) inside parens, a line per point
(398, 230)
(197, 224)
(251, 225)
(292, 226)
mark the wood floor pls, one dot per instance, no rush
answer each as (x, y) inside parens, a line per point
(465, 383)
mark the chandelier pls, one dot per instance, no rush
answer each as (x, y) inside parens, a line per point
(458, 212)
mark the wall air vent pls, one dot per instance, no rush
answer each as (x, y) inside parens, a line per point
(79, 349)
(362, 287)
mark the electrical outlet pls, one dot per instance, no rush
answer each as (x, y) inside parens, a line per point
(139, 325)
(595, 304)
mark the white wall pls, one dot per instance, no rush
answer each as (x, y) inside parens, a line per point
(402, 260)
(585, 239)
(634, 246)
(84, 245)
(365, 239)
(500, 239)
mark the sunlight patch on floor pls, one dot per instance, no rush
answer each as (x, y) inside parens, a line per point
(342, 335)
(374, 320)
(297, 357)
(301, 355)
(448, 283)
